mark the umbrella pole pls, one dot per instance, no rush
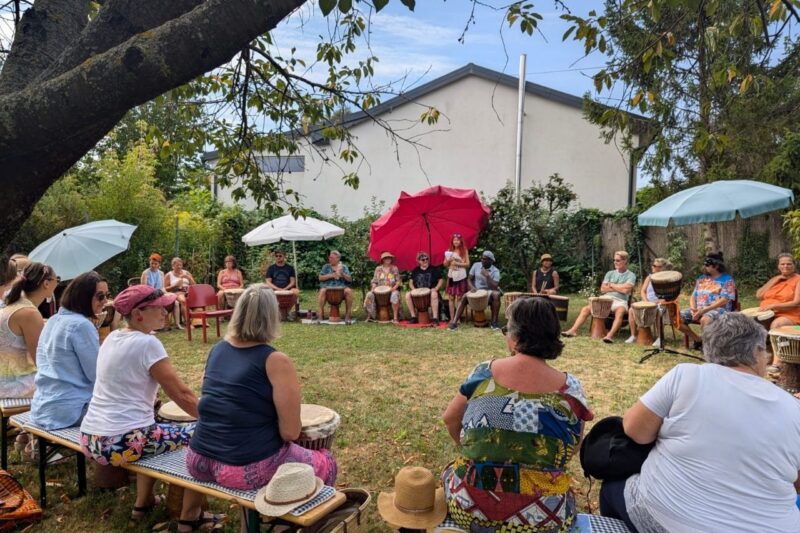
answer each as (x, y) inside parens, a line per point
(296, 272)
(428, 228)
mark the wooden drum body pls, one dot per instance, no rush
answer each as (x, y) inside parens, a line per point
(286, 300)
(786, 345)
(319, 426)
(667, 284)
(646, 315)
(511, 296)
(601, 308)
(478, 301)
(561, 304)
(421, 299)
(764, 318)
(232, 296)
(383, 303)
(334, 297)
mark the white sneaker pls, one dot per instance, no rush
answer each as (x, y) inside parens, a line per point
(657, 342)
(630, 340)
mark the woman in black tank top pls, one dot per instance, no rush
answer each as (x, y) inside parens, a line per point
(545, 279)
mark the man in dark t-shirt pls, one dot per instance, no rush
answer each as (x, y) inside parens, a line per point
(424, 277)
(280, 275)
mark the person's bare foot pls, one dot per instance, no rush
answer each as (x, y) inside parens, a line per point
(568, 333)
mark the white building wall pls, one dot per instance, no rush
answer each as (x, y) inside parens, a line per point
(472, 146)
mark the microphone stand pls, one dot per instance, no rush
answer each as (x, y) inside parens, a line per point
(660, 349)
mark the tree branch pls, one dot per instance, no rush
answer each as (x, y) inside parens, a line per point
(40, 38)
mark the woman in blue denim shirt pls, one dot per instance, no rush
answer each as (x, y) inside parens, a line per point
(67, 355)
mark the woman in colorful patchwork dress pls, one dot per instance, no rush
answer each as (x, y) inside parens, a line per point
(518, 422)
(386, 275)
(119, 426)
(21, 324)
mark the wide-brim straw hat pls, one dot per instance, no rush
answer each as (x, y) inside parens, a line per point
(292, 485)
(545, 257)
(416, 502)
(384, 255)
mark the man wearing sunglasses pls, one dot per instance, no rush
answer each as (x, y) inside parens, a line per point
(714, 293)
(424, 276)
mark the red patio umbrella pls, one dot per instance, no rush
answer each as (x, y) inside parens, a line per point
(426, 221)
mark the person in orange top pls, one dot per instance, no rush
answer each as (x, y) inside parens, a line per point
(229, 277)
(781, 294)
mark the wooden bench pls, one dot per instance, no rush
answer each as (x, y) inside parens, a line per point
(8, 408)
(169, 467)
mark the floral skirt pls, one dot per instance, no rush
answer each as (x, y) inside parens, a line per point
(255, 475)
(18, 386)
(118, 450)
(457, 288)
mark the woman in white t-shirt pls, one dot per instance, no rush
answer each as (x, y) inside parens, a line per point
(727, 443)
(177, 281)
(119, 426)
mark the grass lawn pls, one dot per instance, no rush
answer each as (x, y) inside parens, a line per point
(390, 385)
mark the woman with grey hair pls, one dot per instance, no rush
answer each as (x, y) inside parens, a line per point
(781, 295)
(710, 424)
(250, 404)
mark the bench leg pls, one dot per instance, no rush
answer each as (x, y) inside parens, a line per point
(42, 473)
(4, 436)
(81, 463)
(253, 521)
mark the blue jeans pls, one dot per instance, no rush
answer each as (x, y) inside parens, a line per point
(612, 502)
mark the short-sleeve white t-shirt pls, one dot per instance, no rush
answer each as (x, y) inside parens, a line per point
(124, 391)
(727, 453)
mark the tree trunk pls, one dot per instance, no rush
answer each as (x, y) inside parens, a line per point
(51, 122)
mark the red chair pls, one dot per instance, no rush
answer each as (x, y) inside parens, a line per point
(202, 296)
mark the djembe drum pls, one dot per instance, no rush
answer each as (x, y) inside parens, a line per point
(383, 303)
(561, 303)
(421, 299)
(104, 320)
(286, 301)
(601, 308)
(170, 413)
(478, 301)
(509, 297)
(764, 318)
(667, 284)
(645, 314)
(319, 424)
(786, 345)
(334, 297)
(232, 296)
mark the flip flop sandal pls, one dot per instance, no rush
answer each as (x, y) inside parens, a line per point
(567, 334)
(206, 522)
(138, 513)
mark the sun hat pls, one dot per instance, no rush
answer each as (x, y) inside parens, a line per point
(292, 485)
(139, 296)
(487, 253)
(545, 257)
(384, 255)
(416, 502)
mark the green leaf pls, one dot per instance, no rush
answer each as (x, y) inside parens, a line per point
(410, 4)
(567, 33)
(326, 6)
(345, 5)
(379, 4)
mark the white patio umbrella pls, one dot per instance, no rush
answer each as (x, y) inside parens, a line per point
(292, 229)
(80, 249)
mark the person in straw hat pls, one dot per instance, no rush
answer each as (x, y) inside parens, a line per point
(545, 279)
(518, 422)
(386, 275)
(416, 503)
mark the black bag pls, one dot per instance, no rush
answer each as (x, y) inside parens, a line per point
(608, 453)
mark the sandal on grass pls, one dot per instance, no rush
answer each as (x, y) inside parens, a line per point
(206, 522)
(139, 513)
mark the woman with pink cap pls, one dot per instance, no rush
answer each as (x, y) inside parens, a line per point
(119, 426)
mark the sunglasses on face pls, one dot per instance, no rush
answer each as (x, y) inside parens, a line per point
(424, 259)
(457, 235)
(504, 330)
(101, 296)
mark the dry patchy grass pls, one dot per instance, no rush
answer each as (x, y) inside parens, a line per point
(390, 386)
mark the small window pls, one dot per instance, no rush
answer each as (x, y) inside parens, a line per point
(273, 163)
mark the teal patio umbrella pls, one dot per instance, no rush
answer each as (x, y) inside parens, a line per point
(80, 249)
(718, 201)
